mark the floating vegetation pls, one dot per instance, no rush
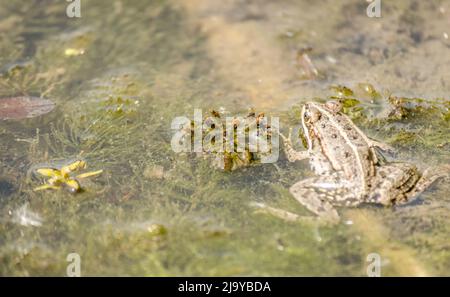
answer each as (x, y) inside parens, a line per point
(23, 107)
(232, 142)
(64, 177)
(404, 108)
(359, 101)
(118, 106)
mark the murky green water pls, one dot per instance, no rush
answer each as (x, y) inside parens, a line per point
(122, 72)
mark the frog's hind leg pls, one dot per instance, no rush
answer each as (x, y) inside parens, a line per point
(315, 199)
(400, 183)
(392, 182)
(429, 177)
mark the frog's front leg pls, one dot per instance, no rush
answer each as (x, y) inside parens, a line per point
(315, 198)
(291, 154)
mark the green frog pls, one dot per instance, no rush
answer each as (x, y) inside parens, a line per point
(349, 166)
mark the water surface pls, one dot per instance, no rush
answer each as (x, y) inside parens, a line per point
(120, 74)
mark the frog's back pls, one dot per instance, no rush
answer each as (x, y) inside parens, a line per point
(345, 147)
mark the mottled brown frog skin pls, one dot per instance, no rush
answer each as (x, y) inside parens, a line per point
(349, 171)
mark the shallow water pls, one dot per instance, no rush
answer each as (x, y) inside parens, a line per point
(123, 71)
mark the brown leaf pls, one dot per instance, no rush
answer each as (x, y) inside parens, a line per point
(22, 107)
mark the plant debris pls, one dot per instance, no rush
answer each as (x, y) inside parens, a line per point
(24, 107)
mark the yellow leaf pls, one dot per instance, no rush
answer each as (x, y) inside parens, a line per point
(89, 174)
(46, 187)
(50, 172)
(77, 165)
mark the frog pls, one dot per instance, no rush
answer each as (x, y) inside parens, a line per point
(349, 166)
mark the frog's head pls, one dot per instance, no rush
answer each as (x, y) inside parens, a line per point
(313, 113)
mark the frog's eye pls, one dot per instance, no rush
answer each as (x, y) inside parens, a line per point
(312, 116)
(334, 106)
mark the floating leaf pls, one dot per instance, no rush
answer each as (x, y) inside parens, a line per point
(22, 107)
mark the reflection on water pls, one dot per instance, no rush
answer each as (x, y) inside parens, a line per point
(120, 74)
